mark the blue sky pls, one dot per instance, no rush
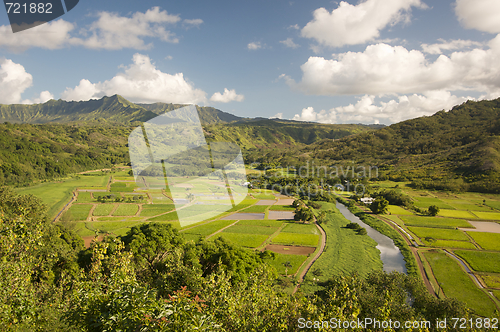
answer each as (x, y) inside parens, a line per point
(373, 61)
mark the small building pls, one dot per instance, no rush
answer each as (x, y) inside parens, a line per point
(367, 200)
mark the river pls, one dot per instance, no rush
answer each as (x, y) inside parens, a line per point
(390, 255)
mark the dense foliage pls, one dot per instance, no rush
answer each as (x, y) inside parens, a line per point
(153, 280)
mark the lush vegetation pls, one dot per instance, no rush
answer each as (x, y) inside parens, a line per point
(151, 278)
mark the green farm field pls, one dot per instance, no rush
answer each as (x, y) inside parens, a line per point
(457, 284)
(247, 229)
(487, 241)
(439, 233)
(126, 210)
(480, 260)
(57, 194)
(279, 260)
(150, 210)
(103, 209)
(77, 212)
(435, 222)
(449, 244)
(310, 240)
(244, 240)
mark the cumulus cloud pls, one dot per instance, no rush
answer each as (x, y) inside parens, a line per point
(385, 69)
(226, 97)
(51, 35)
(44, 97)
(370, 109)
(357, 24)
(113, 32)
(140, 82)
(193, 23)
(14, 80)
(254, 46)
(289, 43)
(277, 116)
(451, 45)
(482, 15)
(109, 31)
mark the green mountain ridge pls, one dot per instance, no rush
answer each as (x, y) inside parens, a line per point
(457, 150)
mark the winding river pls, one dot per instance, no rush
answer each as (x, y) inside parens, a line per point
(390, 255)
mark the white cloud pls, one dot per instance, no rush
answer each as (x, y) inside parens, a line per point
(114, 32)
(13, 81)
(140, 82)
(277, 116)
(444, 45)
(226, 97)
(110, 31)
(254, 46)
(289, 43)
(44, 97)
(385, 69)
(294, 27)
(370, 110)
(51, 35)
(194, 22)
(482, 15)
(351, 25)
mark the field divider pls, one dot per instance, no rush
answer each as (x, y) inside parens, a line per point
(221, 230)
(272, 236)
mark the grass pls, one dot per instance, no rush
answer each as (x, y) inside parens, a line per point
(77, 212)
(496, 293)
(435, 222)
(457, 284)
(165, 217)
(456, 214)
(245, 229)
(280, 259)
(191, 237)
(208, 228)
(345, 251)
(84, 197)
(492, 281)
(487, 215)
(120, 219)
(425, 202)
(160, 198)
(439, 233)
(481, 261)
(244, 240)
(281, 208)
(126, 210)
(488, 241)
(264, 196)
(243, 204)
(449, 244)
(110, 226)
(262, 223)
(58, 193)
(493, 204)
(300, 228)
(103, 209)
(310, 240)
(256, 209)
(394, 209)
(150, 210)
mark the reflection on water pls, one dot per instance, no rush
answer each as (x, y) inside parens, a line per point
(390, 255)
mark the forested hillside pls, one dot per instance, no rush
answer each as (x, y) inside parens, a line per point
(47, 151)
(456, 150)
